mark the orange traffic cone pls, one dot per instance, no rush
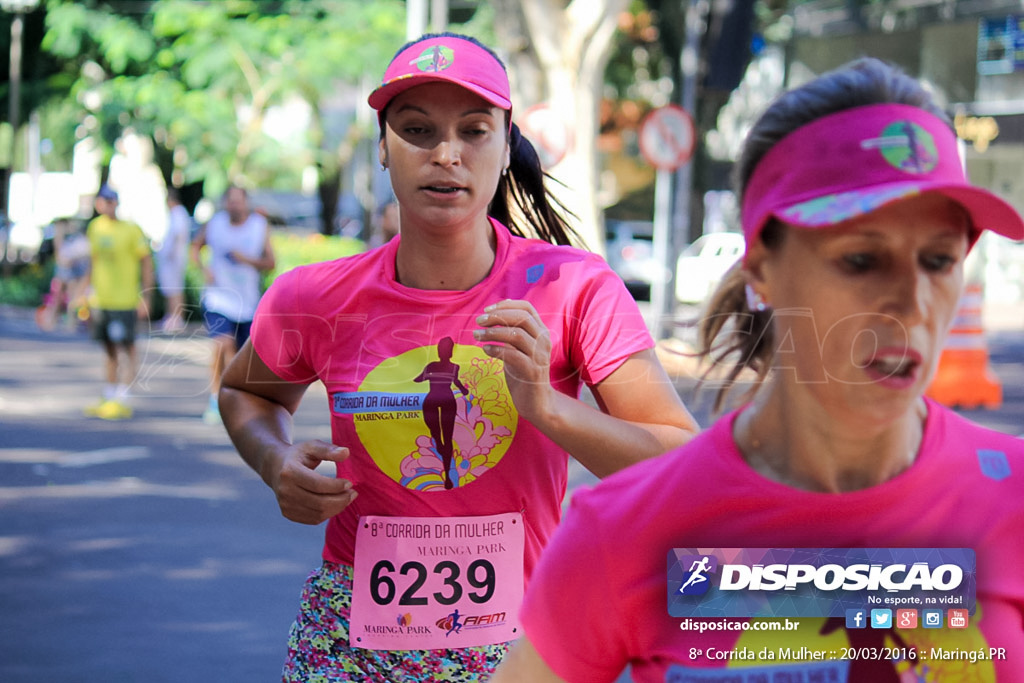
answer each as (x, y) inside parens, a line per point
(964, 378)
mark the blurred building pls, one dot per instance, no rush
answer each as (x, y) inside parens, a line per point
(971, 54)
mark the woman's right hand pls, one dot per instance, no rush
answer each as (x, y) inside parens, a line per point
(305, 495)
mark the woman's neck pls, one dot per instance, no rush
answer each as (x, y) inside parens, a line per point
(453, 261)
(805, 447)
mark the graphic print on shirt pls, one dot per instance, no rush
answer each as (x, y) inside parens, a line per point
(440, 406)
(435, 417)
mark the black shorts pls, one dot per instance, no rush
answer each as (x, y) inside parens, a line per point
(115, 327)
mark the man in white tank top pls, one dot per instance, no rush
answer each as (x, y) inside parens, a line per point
(238, 251)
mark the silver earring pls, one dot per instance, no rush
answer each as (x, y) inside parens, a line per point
(383, 166)
(755, 302)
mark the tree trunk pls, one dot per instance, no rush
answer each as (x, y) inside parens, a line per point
(329, 190)
(569, 44)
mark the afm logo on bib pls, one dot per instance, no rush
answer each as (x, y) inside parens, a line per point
(435, 417)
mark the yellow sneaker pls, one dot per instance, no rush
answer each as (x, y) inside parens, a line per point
(93, 409)
(114, 410)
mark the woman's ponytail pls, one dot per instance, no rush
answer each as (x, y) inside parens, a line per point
(531, 201)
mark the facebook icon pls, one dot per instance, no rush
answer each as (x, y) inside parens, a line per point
(856, 618)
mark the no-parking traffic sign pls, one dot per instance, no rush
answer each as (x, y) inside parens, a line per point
(548, 132)
(667, 137)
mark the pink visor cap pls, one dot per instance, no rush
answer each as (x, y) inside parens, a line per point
(853, 162)
(444, 59)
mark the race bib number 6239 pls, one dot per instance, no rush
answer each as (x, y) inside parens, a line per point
(424, 583)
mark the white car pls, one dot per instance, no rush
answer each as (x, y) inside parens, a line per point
(702, 264)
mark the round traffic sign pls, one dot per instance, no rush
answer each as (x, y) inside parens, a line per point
(667, 137)
(548, 131)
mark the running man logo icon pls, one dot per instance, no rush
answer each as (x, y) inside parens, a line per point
(695, 580)
(451, 623)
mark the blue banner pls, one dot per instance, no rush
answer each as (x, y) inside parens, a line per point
(356, 402)
(817, 582)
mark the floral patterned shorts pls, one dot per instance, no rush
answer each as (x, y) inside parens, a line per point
(318, 649)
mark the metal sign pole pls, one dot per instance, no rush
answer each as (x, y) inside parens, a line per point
(667, 138)
(662, 280)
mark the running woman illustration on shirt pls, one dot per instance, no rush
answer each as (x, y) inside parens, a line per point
(440, 406)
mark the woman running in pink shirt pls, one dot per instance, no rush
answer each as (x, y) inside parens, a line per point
(857, 218)
(434, 529)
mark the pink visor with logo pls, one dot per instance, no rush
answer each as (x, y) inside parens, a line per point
(852, 162)
(445, 59)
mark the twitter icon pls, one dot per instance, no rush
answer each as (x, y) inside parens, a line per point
(881, 618)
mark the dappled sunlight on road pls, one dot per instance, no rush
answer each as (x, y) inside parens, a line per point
(65, 459)
(143, 545)
(118, 488)
(211, 568)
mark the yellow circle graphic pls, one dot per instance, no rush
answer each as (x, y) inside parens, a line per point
(441, 416)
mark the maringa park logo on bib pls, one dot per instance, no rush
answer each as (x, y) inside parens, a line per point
(434, 417)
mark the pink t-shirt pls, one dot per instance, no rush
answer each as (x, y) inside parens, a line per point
(403, 372)
(598, 602)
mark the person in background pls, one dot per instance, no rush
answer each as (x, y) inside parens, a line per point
(121, 278)
(171, 261)
(479, 292)
(73, 264)
(387, 223)
(239, 251)
(68, 288)
(857, 218)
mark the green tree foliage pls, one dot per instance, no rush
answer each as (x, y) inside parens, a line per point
(200, 77)
(40, 76)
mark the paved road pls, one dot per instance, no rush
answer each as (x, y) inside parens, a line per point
(142, 550)
(134, 551)
(146, 550)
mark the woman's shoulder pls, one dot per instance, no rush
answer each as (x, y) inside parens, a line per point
(344, 266)
(950, 427)
(534, 248)
(325, 281)
(566, 269)
(976, 455)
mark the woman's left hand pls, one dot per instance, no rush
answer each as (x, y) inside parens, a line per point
(524, 345)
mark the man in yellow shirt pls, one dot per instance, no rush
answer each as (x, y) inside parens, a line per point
(121, 263)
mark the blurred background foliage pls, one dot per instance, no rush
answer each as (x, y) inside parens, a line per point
(204, 81)
(201, 78)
